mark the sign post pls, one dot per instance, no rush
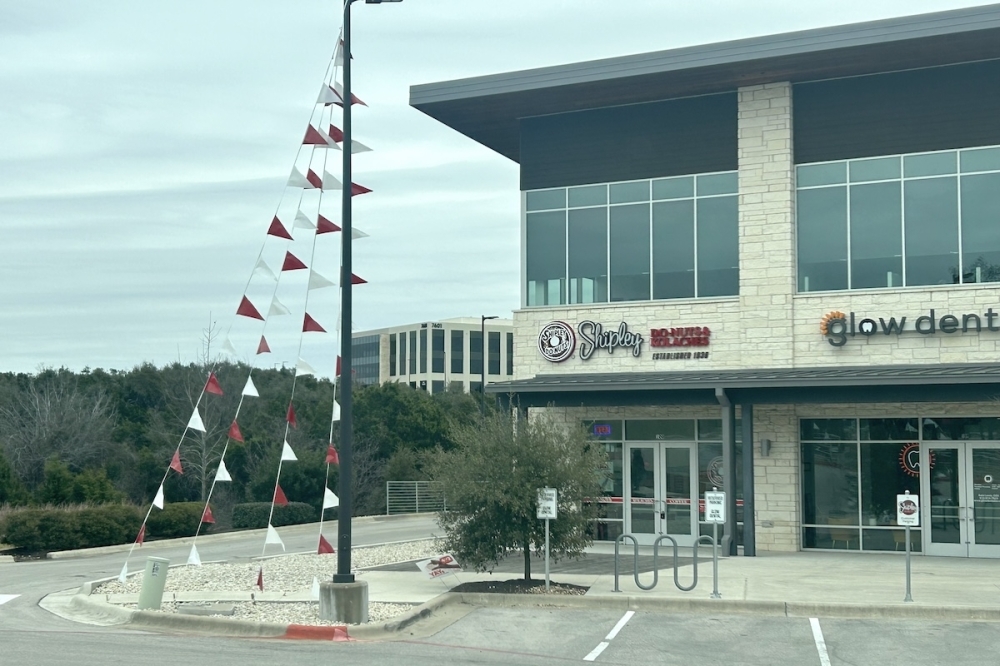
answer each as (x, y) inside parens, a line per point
(547, 503)
(715, 513)
(908, 515)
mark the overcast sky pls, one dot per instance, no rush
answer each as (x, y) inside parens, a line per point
(144, 147)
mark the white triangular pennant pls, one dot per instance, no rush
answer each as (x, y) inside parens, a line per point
(315, 588)
(302, 221)
(287, 455)
(358, 147)
(330, 500)
(327, 96)
(261, 268)
(124, 574)
(273, 538)
(302, 369)
(330, 182)
(227, 346)
(249, 389)
(338, 53)
(223, 473)
(195, 422)
(336, 411)
(277, 308)
(158, 500)
(296, 179)
(193, 557)
(357, 233)
(317, 281)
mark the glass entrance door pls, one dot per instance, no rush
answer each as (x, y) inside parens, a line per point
(962, 498)
(661, 492)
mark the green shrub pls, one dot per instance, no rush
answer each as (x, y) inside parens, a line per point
(176, 519)
(67, 528)
(253, 515)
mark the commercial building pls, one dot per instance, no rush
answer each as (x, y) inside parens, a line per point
(434, 356)
(774, 261)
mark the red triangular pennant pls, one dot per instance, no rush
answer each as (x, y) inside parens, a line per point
(212, 385)
(260, 579)
(234, 433)
(314, 138)
(331, 456)
(310, 325)
(314, 180)
(290, 416)
(292, 263)
(262, 348)
(248, 310)
(175, 462)
(358, 189)
(336, 134)
(279, 496)
(278, 229)
(358, 280)
(324, 547)
(354, 100)
(338, 366)
(142, 535)
(325, 226)
(206, 515)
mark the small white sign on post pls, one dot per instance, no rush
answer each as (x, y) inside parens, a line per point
(715, 506)
(437, 567)
(908, 510)
(547, 504)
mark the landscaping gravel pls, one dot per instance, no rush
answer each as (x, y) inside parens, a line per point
(294, 612)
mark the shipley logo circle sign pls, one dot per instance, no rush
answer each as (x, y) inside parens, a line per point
(557, 341)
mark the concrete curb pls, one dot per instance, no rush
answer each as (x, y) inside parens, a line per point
(6, 559)
(211, 538)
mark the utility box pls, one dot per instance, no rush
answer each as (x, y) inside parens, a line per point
(153, 580)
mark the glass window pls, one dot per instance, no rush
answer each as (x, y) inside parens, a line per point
(828, 429)
(981, 227)
(660, 429)
(475, 387)
(423, 350)
(982, 428)
(821, 174)
(437, 351)
(456, 387)
(592, 195)
(718, 183)
(457, 351)
(475, 353)
(610, 429)
(931, 230)
(437, 386)
(494, 358)
(718, 272)
(546, 258)
(882, 478)
(413, 352)
(392, 355)
(933, 164)
(673, 188)
(830, 484)
(981, 159)
(402, 353)
(629, 192)
(876, 236)
(890, 429)
(629, 252)
(711, 429)
(588, 255)
(545, 200)
(822, 239)
(673, 249)
(879, 168)
(510, 354)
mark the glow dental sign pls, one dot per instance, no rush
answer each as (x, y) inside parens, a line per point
(839, 327)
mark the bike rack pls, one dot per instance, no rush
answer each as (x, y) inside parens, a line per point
(656, 572)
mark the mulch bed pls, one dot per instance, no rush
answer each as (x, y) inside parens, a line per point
(519, 586)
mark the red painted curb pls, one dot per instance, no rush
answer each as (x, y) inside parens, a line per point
(302, 632)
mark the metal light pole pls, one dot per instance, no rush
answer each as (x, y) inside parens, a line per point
(344, 574)
(482, 378)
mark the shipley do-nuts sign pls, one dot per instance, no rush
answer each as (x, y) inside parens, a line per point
(558, 340)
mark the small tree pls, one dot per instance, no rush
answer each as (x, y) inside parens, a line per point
(491, 479)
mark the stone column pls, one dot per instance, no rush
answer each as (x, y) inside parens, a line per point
(767, 225)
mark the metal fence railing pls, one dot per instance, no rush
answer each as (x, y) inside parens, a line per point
(413, 497)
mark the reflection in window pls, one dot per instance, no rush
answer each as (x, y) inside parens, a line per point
(981, 228)
(475, 353)
(423, 350)
(510, 354)
(629, 252)
(457, 358)
(876, 236)
(494, 353)
(413, 352)
(437, 351)
(402, 353)
(931, 231)
(392, 355)
(673, 243)
(588, 252)
(545, 261)
(822, 238)
(830, 484)
(718, 246)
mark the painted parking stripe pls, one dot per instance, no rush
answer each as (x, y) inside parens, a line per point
(824, 658)
(4, 598)
(602, 646)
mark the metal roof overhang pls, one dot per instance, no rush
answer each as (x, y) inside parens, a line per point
(910, 383)
(488, 109)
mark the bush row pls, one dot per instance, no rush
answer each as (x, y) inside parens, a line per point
(253, 515)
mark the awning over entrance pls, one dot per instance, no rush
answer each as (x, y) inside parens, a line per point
(896, 383)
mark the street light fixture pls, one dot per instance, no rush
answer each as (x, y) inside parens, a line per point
(344, 574)
(482, 379)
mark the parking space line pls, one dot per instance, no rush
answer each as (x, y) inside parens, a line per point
(596, 652)
(824, 658)
(4, 598)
